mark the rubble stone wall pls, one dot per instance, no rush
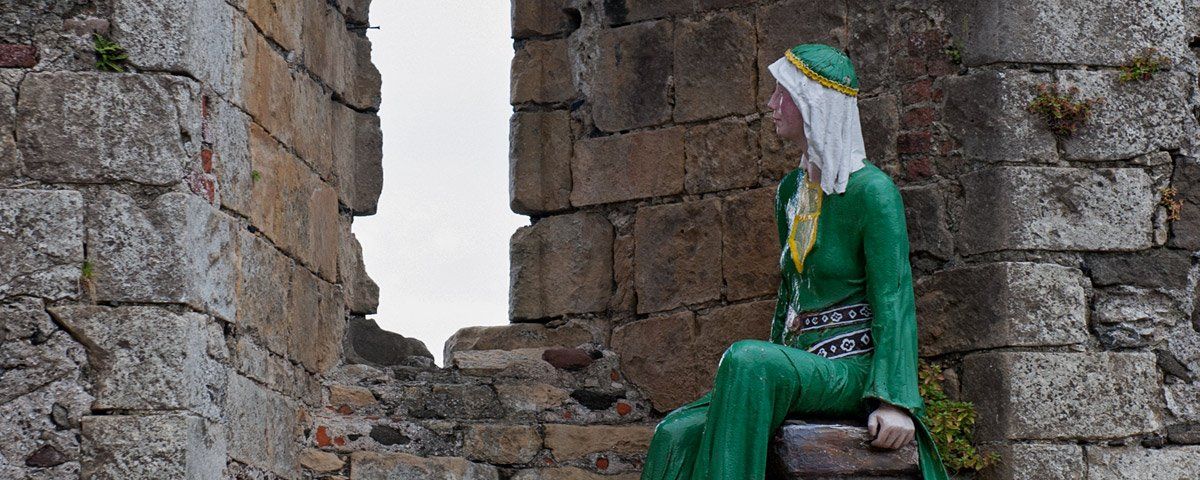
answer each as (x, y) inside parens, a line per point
(177, 268)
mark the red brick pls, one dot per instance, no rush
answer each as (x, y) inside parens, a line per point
(918, 168)
(322, 437)
(18, 56)
(913, 142)
(919, 118)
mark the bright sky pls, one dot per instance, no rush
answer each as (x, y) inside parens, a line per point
(438, 246)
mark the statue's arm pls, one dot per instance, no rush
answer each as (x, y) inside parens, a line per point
(892, 381)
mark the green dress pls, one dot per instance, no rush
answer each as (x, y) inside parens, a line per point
(836, 251)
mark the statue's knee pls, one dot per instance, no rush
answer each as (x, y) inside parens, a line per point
(747, 352)
(675, 428)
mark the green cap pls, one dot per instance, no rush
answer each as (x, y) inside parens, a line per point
(825, 64)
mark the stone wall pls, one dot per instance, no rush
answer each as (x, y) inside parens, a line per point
(1052, 284)
(177, 267)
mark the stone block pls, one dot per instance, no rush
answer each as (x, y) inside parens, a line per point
(227, 129)
(714, 66)
(316, 322)
(671, 378)
(1062, 396)
(365, 89)
(150, 358)
(986, 112)
(750, 247)
(560, 265)
(263, 274)
(328, 50)
(96, 127)
(361, 293)
(536, 397)
(880, 118)
(355, 11)
(626, 167)
(540, 17)
(779, 156)
(501, 444)
(573, 442)
(633, 77)
(628, 11)
(289, 105)
(1008, 304)
(10, 161)
(872, 46)
(808, 450)
(279, 20)
(1127, 317)
(275, 372)
(1171, 463)
(1051, 208)
(1136, 117)
(1185, 232)
(358, 159)
(177, 249)
(320, 461)
(676, 254)
(198, 37)
(520, 363)
(1065, 32)
(719, 156)
(368, 344)
(1157, 268)
(568, 473)
(1033, 461)
(539, 162)
(925, 211)
(448, 401)
(41, 243)
(292, 206)
(262, 428)
(151, 446)
(785, 24)
(372, 465)
(541, 73)
(518, 335)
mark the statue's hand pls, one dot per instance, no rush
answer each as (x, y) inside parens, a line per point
(891, 426)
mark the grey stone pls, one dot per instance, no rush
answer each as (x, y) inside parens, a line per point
(1059, 31)
(25, 318)
(676, 250)
(362, 293)
(880, 117)
(568, 473)
(366, 343)
(1008, 304)
(986, 112)
(518, 335)
(1136, 117)
(176, 250)
(1185, 232)
(1157, 268)
(1034, 461)
(403, 466)
(33, 393)
(198, 37)
(358, 159)
(925, 211)
(262, 428)
(150, 358)
(633, 77)
(1126, 317)
(152, 446)
(714, 66)
(561, 264)
(1113, 463)
(616, 168)
(539, 161)
(227, 129)
(1183, 433)
(806, 450)
(41, 243)
(96, 128)
(10, 161)
(264, 272)
(1051, 208)
(525, 363)
(1062, 396)
(457, 401)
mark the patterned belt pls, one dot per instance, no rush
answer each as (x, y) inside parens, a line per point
(850, 343)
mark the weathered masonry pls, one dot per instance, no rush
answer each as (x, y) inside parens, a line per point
(181, 295)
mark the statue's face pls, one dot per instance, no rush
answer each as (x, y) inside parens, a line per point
(789, 123)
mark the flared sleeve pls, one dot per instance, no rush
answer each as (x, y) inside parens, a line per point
(893, 375)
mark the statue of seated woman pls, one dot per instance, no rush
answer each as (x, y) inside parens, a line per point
(843, 338)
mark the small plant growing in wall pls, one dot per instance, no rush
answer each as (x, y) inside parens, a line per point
(1170, 200)
(1143, 66)
(86, 275)
(951, 423)
(255, 176)
(109, 55)
(954, 51)
(1063, 112)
